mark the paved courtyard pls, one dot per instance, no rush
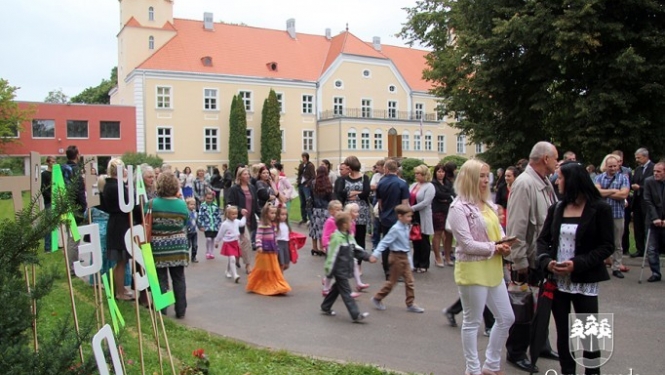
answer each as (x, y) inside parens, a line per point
(396, 339)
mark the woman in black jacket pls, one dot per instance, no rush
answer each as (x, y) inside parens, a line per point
(577, 237)
(243, 195)
(443, 197)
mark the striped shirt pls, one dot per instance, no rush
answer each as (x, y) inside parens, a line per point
(265, 238)
(169, 238)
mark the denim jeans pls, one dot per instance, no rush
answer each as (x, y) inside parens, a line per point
(303, 193)
(656, 242)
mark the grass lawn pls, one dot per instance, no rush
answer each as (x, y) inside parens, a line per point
(226, 355)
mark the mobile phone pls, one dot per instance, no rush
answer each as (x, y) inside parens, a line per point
(507, 239)
(560, 264)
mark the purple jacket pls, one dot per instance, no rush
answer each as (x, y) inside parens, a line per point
(470, 231)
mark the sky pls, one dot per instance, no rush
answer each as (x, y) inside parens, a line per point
(71, 44)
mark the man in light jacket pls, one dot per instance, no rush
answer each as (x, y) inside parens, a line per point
(531, 195)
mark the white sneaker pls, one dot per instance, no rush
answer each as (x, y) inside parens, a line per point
(361, 317)
(415, 309)
(378, 304)
(228, 275)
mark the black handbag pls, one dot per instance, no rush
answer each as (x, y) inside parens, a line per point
(522, 302)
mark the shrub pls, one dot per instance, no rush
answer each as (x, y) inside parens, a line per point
(138, 158)
(407, 168)
(458, 160)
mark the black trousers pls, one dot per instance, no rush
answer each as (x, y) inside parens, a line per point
(386, 253)
(560, 310)
(639, 230)
(361, 234)
(520, 333)
(421, 250)
(193, 240)
(341, 287)
(179, 286)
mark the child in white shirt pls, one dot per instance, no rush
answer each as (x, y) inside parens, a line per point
(228, 234)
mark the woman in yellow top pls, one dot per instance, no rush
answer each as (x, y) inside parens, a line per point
(478, 270)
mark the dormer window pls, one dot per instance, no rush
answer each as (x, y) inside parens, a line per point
(206, 60)
(151, 42)
(272, 66)
(151, 14)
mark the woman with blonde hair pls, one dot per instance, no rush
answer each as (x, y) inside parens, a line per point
(478, 270)
(201, 187)
(421, 194)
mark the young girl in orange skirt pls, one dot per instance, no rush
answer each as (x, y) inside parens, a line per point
(266, 277)
(228, 234)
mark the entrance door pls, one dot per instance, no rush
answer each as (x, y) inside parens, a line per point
(394, 145)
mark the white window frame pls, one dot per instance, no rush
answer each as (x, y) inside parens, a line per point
(151, 42)
(32, 129)
(479, 148)
(461, 144)
(378, 139)
(249, 136)
(394, 89)
(406, 141)
(214, 99)
(393, 107)
(366, 108)
(352, 139)
(338, 106)
(280, 100)
(170, 136)
(308, 136)
(87, 122)
(151, 14)
(417, 141)
(420, 110)
(307, 102)
(365, 139)
(428, 141)
(247, 101)
(441, 143)
(163, 96)
(119, 129)
(211, 137)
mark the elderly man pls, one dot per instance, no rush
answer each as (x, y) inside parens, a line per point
(654, 205)
(614, 187)
(642, 172)
(531, 195)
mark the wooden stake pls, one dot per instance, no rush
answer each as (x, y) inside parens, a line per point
(136, 294)
(65, 240)
(168, 347)
(34, 306)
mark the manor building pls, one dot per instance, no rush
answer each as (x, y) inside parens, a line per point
(339, 95)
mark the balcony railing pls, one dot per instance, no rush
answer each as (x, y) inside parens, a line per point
(380, 114)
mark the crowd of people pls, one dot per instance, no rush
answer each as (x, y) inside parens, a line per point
(546, 221)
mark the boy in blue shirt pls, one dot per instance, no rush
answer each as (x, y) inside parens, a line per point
(397, 242)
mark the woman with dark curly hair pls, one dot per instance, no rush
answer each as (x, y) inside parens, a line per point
(322, 194)
(443, 196)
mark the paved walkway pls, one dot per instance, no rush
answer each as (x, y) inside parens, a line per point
(396, 339)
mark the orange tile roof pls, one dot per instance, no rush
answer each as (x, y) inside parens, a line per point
(133, 22)
(411, 63)
(246, 51)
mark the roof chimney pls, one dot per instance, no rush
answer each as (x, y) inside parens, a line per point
(291, 27)
(207, 21)
(328, 34)
(376, 41)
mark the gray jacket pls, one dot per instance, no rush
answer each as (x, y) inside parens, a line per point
(423, 206)
(530, 197)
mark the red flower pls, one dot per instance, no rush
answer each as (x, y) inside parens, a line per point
(198, 353)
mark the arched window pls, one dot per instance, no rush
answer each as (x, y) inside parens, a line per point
(405, 141)
(351, 139)
(378, 139)
(364, 140)
(151, 14)
(151, 42)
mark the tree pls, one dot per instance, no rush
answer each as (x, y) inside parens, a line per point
(138, 158)
(58, 347)
(407, 165)
(271, 136)
(237, 133)
(98, 94)
(586, 76)
(11, 116)
(458, 160)
(57, 96)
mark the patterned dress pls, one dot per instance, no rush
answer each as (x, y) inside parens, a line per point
(565, 252)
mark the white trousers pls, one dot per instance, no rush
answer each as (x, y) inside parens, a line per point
(474, 298)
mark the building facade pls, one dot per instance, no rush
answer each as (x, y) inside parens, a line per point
(97, 130)
(339, 95)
